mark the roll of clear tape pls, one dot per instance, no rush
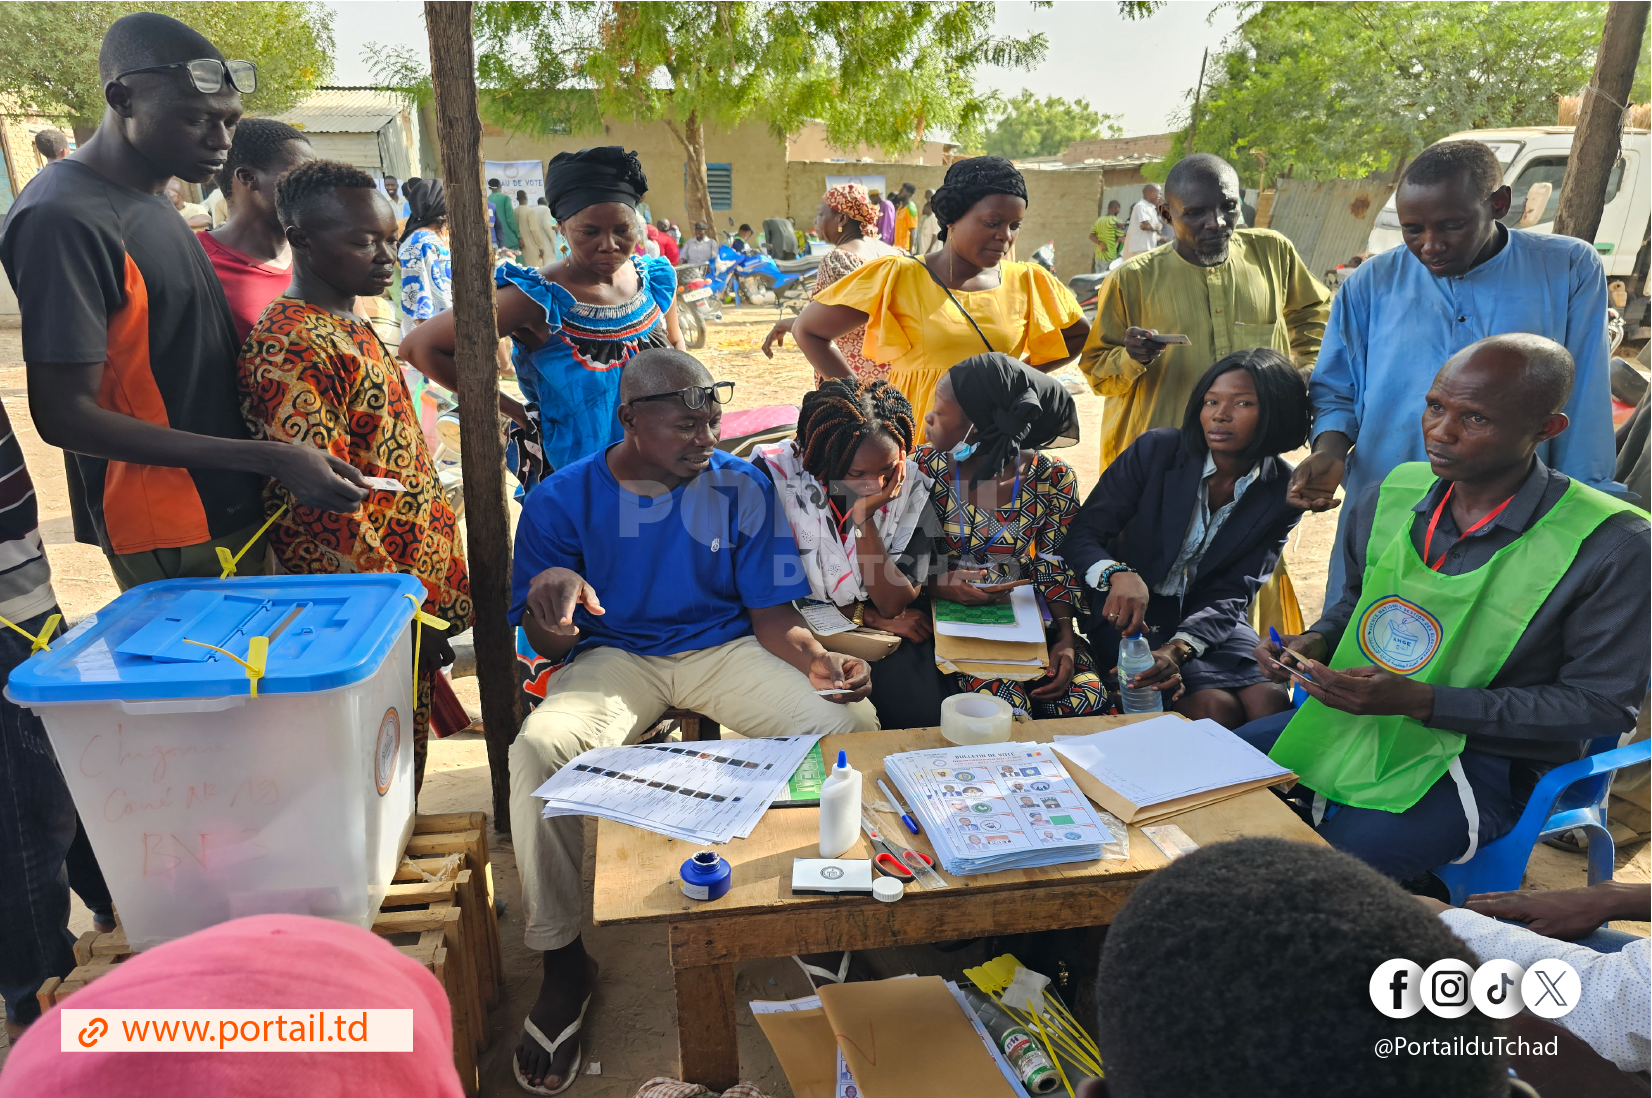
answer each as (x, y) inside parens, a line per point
(968, 719)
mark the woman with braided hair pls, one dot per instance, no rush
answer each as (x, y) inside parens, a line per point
(924, 314)
(847, 220)
(859, 508)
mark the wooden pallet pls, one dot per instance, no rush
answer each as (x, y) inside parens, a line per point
(439, 911)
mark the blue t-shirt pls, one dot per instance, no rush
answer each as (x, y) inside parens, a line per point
(675, 574)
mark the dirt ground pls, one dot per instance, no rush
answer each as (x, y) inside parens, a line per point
(631, 1028)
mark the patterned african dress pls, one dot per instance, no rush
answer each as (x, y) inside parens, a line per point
(572, 379)
(1022, 539)
(315, 378)
(570, 387)
(833, 266)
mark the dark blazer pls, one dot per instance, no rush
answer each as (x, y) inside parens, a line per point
(1139, 511)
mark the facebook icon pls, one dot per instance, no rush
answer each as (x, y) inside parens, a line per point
(1395, 988)
(1397, 985)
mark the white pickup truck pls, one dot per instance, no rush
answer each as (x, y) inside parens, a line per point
(1537, 155)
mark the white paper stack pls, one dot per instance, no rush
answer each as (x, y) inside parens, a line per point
(1151, 769)
(1003, 806)
(704, 792)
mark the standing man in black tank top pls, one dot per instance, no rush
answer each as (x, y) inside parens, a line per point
(126, 332)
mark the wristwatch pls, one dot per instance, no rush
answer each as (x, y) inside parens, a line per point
(1183, 647)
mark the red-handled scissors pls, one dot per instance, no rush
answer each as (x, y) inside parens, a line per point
(892, 861)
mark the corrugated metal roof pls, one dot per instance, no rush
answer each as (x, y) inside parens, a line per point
(345, 110)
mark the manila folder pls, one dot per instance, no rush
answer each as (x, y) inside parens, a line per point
(908, 1038)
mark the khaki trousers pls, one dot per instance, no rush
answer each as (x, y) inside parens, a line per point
(607, 696)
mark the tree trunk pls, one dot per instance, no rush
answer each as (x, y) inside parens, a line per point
(453, 78)
(698, 196)
(1599, 134)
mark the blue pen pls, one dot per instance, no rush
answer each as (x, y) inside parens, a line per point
(906, 817)
(1273, 635)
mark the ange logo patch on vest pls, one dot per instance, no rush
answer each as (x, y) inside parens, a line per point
(1398, 635)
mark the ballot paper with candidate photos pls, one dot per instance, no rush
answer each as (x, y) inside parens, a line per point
(1003, 806)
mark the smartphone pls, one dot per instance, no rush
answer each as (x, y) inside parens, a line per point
(1163, 339)
(996, 588)
(1294, 661)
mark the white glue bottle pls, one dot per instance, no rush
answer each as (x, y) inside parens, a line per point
(839, 808)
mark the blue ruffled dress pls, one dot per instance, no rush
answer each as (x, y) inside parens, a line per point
(574, 376)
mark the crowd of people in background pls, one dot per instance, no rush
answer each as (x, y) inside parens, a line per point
(215, 384)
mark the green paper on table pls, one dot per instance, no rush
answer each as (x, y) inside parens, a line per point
(803, 787)
(992, 613)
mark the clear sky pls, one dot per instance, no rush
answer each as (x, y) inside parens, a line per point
(1139, 70)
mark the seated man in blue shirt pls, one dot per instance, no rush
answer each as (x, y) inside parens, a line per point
(664, 570)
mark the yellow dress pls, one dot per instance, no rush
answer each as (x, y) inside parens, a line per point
(912, 326)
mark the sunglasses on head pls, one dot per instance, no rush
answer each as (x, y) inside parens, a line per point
(695, 396)
(208, 74)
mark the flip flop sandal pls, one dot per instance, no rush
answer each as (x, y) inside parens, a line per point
(550, 1047)
(812, 971)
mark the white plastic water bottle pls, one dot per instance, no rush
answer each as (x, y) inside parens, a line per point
(1136, 657)
(839, 808)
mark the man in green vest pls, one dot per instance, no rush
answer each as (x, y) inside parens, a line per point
(1494, 619)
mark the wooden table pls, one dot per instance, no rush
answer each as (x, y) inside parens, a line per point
(637, 882)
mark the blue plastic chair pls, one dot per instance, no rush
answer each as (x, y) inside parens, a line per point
(1571, 795)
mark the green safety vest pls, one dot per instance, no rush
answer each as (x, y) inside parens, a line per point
(1444, 630)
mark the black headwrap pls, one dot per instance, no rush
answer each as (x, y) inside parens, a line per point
(576, 180)
(969, 181)
(1014, 407)
(426, 204)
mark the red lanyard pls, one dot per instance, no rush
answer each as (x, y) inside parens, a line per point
(1433, 522)
(842, 518)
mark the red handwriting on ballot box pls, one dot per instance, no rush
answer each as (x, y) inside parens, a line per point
(208, 849)
(185, 802)
(96, 754)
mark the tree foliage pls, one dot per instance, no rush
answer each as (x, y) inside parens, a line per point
(1346, 89)
(1043, 127)
(49, 49)
(876, 73)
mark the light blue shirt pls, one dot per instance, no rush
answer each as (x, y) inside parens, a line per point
(1393, 325)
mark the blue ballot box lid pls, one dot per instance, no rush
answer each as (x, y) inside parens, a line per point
(324, 632)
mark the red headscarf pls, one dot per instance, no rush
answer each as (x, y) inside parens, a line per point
(850, 200)
(262, 962)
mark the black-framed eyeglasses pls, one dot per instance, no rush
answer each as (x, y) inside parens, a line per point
(695, 396)
(208, 74)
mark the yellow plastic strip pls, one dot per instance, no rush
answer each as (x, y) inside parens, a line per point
(37, 643)
(258, 654)
(420, 618)
(229, 561)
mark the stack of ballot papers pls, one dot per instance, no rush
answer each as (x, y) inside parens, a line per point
(1003, 806)
(1151, 769)
(1013, 649)
(705, 792)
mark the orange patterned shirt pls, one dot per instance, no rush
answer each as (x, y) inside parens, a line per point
(315, 378)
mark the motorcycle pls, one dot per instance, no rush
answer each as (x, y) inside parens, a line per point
(735, 273)
(696, 307)
(1087, 288)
